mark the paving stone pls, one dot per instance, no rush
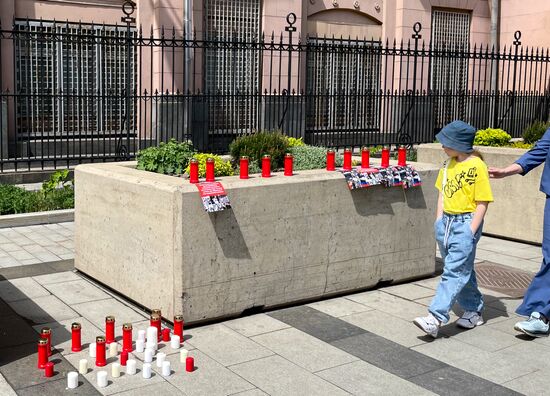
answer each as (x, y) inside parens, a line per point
(481, 337)
(388, 355)
(21, 255)
(277, 376)
(5, 388)
(304, 350)
(15, 331)
(61, 333)
(57, 278)
(96, 311)
(506, 326)
(30, 261)
(225, 345)
(362, 378)
(451, 381)
(10, 247)
(409, 291)
(380, 323)
(209, 378)
(339, 307)
(21, 289)
(534, 384)
(44, 309)
(393, 305)
(448, 350)
(255, 324)
(510, 261)
(58, 387)
(252, 392)
(316, 323)
(76, 292)
(6, 262)
(507, 304)
(46, 257)
(162, 389)
(58, 250)
(35, 249)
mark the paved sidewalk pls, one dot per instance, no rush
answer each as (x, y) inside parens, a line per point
(360, 344)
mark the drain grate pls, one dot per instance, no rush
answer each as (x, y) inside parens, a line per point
(503, 279)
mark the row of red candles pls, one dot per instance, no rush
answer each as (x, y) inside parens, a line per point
(45, 341)
(289, 159)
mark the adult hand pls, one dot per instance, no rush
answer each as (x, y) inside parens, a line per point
(497, 173)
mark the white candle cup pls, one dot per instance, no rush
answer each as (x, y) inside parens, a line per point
(140, 346)
(152, 334)
(115, 370)
(175, 342)
(183, 355)
(146, 372)
(166, 369)
(113, 349)
(141, 335)
(160, 358)
(102, 379)
(131, 367)
(91, 349)
(72, 380)
(83, 366)
(148, 355)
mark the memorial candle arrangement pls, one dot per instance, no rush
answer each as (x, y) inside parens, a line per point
(266, 166)
(289, 161)
(178, 326)
(402, 156)
(166, 334)
(109, 329)
(42, 353)
(46, 333)
(243, 170)
(127, 337)
(72, 380)
(48, 369)
(100, 353)
(365, 158)
(347, 159)
(331, 160)
(385, 162)
(210, 164)
(154, 321)
(193, 171)
(76, 339)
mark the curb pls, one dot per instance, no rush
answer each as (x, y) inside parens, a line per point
(36, 218)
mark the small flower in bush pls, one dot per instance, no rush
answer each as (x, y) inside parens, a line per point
(293, 142)
(221, 167)
(492, 137)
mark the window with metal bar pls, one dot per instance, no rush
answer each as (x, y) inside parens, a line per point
(71, 78)
(232, 67)
(449, 68)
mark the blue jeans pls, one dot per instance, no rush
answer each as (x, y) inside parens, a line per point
(458, 282)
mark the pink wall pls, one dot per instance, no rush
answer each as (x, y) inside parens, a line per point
(531, 17)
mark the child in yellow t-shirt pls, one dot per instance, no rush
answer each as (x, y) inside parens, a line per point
(464, 194)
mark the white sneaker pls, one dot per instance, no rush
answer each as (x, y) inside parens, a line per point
(469, 320)
(428, 324)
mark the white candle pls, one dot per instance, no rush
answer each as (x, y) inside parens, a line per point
(102, 379)
(131, 367)
(72, 380)
(175, 341)
(148, 356)
(160, 359)
(166, 369)
(141, 335)
(115, 370)
(146, 370)
(113, 349)
(140, 346)
(83, 366)
(152, 334)
(91, 349)
(183, 355)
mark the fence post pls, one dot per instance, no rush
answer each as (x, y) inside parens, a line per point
(123, 150)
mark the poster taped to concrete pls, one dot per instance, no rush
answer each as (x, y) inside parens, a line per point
(404, 176)
(214, 198)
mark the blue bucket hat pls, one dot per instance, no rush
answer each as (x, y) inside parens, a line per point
(458, 136)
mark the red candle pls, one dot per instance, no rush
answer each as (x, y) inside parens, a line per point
(365, 158)
(266, 166)
(347, 159)
(193, 171)
(100, 359)
(289, 160)
(42, 353)
(76, 337)
(244, 167)
(46, 333)
(166, 334)
(331, 160)
(123, 358)
(109, 329)
(154, 321)
(385, 157)
(402, 156)
(178, 326)
(127, 337)
(48, 369)
(210, 170)
(156, 311)
(189, 364)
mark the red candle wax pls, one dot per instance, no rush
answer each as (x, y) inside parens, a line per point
(347, 159)
(42, 353)
(189, 364)
(331, 160)
(100, 356)
(48, 369)
(365, 158)
(210, 170)
(127, 337)
(76, 338)
(289, 162)
(109, 329)
(385, 157)
(243, 168)
(266, 166)
(178, 326)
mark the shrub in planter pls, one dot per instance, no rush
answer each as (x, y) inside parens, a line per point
(257, 145)
(168, 158)
(492, 137)
(221, 167)
(14, 199)
(311, 157)
(535, 131)
(293, 142)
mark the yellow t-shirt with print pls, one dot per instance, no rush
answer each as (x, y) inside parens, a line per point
(467, 182)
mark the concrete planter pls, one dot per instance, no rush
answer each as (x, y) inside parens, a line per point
(518, 208)
(286, 239)
(35, 218)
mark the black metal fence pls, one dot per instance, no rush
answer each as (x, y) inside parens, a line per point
(73, 93)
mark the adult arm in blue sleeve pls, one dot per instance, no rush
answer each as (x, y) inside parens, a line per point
(536, 156)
